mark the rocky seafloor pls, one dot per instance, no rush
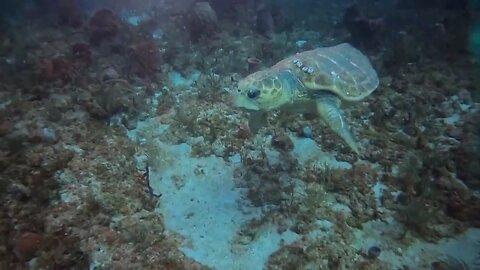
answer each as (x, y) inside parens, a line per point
(120, 147)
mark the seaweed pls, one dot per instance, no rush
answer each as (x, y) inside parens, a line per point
(417, 216)
(209, 87)
(409, 175)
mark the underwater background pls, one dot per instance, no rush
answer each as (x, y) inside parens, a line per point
(124, 144)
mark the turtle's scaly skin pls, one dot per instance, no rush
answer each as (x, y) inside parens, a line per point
(324, 75)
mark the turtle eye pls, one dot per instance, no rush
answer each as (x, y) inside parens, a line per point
(253, 93)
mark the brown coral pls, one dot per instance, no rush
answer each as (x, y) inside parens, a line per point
(463, 209)
(55, 69)
(146, 55)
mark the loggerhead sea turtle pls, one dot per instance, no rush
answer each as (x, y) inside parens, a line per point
(317, 79)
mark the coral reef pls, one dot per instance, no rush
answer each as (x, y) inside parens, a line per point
(110, 116)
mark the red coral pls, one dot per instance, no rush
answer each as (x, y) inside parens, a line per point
(104, 25)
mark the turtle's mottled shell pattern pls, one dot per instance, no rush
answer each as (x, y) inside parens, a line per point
(341, 69)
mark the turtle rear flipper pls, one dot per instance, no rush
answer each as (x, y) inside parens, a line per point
(329, 109)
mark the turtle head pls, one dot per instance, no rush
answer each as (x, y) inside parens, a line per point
(263, 90)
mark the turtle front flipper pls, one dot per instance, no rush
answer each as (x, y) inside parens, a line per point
(328, 106)
(257, 120)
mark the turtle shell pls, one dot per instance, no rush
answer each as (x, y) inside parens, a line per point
(341, 69)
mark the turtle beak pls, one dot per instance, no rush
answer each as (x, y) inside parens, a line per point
(241, 101)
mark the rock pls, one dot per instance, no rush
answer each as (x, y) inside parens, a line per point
(282, 142)
(465, 96)
(373, 252)
(305, 132)
(109, 74)
(49, 135)
(61, 102)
